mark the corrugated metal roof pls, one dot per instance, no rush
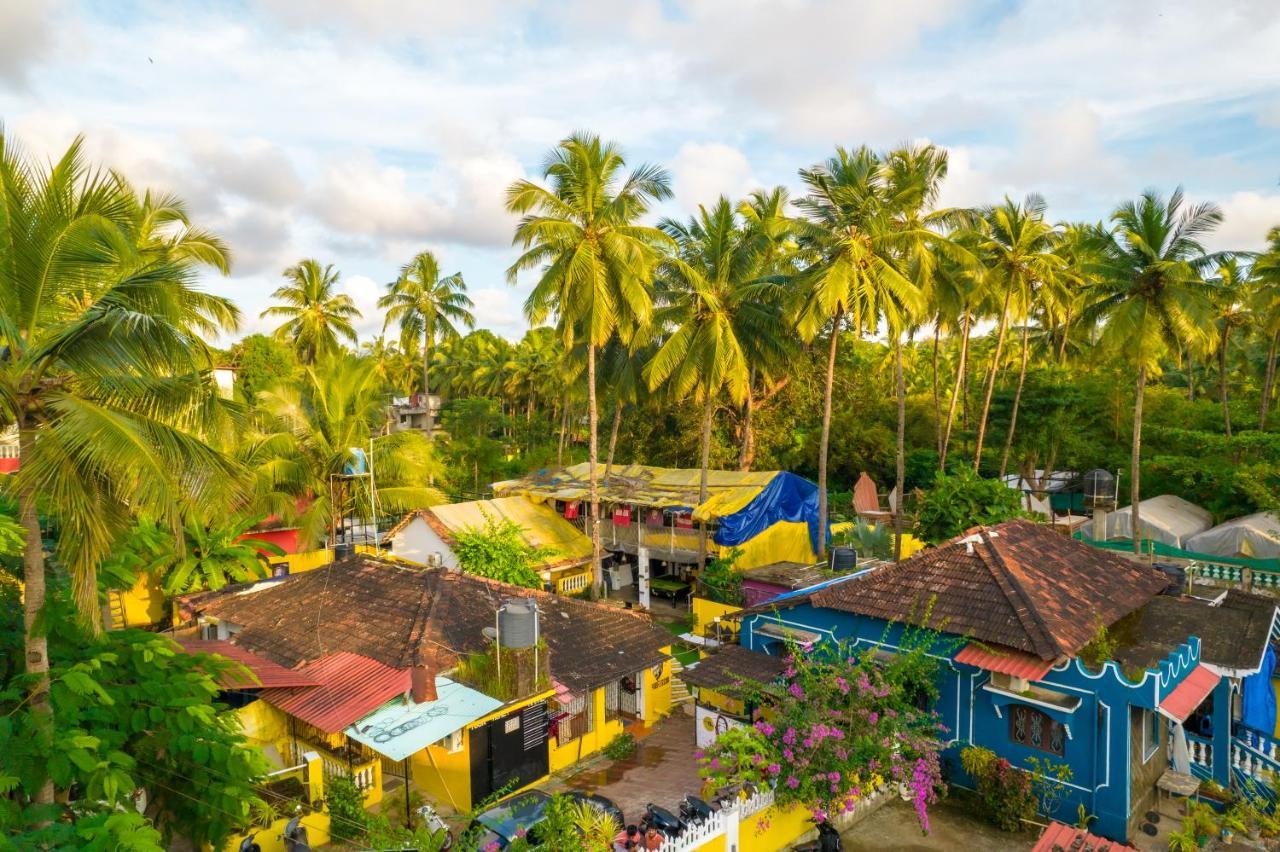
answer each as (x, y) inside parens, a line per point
(1005, 660)
(1060, 836)
(400, 728)
(351, 686)
(1186, 696)
(268, 674)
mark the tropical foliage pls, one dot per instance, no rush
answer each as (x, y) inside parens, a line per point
(498, 551)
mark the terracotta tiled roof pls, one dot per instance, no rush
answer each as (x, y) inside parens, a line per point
(1004, 660)
(732, 665)
(266, 673)
(351, 686)
(1018, 584)
(400, 615)
(1059, 837)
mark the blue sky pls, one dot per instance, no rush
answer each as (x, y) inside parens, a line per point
(362, 132)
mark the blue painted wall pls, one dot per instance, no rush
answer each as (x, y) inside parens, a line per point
(1098, 745)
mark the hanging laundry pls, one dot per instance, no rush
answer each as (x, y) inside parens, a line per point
(571, 510)
(684, 520)
(622, 516)
(654, 518)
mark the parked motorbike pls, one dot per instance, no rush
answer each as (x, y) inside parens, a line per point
(250, 844)
(828, 840)
(693, 809)
(668, 824)
(295, 836)
(435, 823)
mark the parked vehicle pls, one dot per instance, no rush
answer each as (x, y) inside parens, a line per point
(250, 844)
(295, 836)
(428, 817)
(828, 840)
(501, 823)
(693, 810)
(668, 824)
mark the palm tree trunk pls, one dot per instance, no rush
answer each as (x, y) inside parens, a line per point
(564, 425)
(991, 377)
(1017, 400)
(35, 635)
(937, 401)
(593, 416)
(957, 389)
(613, 437)
(1066, 333)
(1222, 378)
(901, 471)
(426, 384)
(825, 443)
(1134, 464)
(1191, 378)
(747, 454)
(708, 412)
(1268, 381)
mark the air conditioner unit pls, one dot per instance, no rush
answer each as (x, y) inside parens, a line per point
(453, 743)
(1009, 682)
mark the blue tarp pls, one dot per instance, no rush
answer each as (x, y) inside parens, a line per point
(1258, 699)
(787, 497)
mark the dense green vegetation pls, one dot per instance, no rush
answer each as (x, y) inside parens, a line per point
(858, 326)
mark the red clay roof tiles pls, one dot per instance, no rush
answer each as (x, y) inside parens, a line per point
(1004, 660)
(267, 673)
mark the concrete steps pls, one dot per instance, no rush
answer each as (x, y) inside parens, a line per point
(679, 692)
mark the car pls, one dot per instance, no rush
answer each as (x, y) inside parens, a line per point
(501, 824)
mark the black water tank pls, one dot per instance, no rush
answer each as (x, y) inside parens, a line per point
(843, 559)
(1177, 575)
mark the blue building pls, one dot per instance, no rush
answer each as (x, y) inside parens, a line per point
(1014, 606)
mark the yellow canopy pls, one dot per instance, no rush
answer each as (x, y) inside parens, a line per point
(540, 525)
(644, 485)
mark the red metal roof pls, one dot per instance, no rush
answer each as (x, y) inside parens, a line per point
(1186, 696)
(1058, 836)
(351, 686)
(268, 674)
(1004, 660)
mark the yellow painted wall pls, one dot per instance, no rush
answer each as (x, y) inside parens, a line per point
(144, 604)
(705, 611)
(569, 575)
(569, 753)
(263, 724)
(307, 560)
(657, 691)
(447, 777)
(721, 702)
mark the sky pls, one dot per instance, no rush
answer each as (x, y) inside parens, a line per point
(361, 132)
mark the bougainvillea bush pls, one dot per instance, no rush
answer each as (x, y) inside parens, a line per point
(840, 724)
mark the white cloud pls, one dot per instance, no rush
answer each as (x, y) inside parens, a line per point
(26, 36)
(703, 171)
(364, 291)
(1246, 218)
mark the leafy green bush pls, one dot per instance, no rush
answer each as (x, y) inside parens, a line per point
(720, 581)
(620, 747)
(961, 500)
(346, 809)
(1005, 791)
(499, 552)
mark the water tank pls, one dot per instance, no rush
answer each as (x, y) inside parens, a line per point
(843, 559)
(1099, 489)
(518, 623)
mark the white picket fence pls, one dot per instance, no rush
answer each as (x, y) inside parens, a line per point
(727, 822)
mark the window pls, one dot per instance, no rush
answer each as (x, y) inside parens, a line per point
(1033, 729)
(1150, 734)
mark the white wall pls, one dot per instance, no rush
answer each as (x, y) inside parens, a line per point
(417, 540)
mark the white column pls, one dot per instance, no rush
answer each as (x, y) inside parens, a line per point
(642, 566)
(731, 820)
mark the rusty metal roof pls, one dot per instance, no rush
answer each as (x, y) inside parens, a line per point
(351, 686)
(1004, 660)
(266, 673)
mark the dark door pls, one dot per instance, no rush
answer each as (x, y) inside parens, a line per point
(511, 751)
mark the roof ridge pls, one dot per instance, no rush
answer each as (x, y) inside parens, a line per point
(1011, 582)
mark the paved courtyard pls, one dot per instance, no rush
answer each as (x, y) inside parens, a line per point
(661, 771)
(895, 827)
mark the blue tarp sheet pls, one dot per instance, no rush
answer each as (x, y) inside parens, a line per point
(1258, 699)
(787, 497)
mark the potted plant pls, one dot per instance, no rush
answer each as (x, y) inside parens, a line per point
(1232, 823)
(1183, 841)
(1200, 822)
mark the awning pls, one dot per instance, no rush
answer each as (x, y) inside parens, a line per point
(1005, 661)
(400, 728)
(1189, 694)
(792, 634)
(563, 693)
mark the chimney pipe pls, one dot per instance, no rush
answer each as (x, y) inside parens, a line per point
(422, 687)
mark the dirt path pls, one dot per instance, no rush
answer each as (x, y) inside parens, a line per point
(895, 827)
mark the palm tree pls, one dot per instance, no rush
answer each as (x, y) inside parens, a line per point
(958, 292)
(718, 313)
(851, 244)
(426, 305)
(105, 375)
(596, 263)
(213, 555)
(1019, 249)
(1266, 307)
(1231, 288)
(316, 316)
(1151, 295)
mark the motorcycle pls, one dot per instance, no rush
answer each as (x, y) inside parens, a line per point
(295, 836)
(436, 825)
(668, 824)
(250, 844)
(694, 810)
(828, 840)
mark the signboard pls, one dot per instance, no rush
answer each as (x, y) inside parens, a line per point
(711, 723)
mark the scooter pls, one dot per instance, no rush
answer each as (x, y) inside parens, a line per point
(250, 844)
(828, 840)
(295, 836)
(668, 824)
(694, 810)
(436, 825)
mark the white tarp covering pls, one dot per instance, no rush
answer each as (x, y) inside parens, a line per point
(1256, 536)
(1166, 518)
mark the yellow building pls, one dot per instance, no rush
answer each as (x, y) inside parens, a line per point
(403, 676)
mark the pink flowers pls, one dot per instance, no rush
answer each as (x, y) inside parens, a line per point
(796, 690)
(765, 728)
(793, 782)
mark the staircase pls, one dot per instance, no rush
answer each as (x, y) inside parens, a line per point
(115, 611)
(679, 692)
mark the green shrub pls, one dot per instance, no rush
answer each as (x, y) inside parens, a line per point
(620, 747)
(346, 809)
(1005, 791)
(720, 581)
(961, 500)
